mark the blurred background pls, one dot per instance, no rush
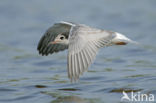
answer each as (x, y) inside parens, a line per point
(25, 76)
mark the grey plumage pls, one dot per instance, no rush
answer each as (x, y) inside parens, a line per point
(59, 28)
(83, 44)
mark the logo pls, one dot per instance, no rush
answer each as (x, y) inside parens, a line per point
(137, 97)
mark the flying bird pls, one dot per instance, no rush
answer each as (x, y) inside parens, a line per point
(82, 42)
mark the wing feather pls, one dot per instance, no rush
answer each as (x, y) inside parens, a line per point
(69, 67)
(83, 47)
(79, 64)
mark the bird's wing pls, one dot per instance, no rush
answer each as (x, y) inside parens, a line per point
(83, 47)
(43, 46)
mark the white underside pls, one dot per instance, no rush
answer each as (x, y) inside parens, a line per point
(122, 38)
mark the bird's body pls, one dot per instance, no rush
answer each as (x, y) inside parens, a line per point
(82, 42)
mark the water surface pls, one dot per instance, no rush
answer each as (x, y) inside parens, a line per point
(25, 76)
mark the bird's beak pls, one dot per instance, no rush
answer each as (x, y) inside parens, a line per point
(54, 42)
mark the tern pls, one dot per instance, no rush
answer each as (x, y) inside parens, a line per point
(82, 42)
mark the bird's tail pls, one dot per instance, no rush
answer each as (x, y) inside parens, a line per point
(120, 39)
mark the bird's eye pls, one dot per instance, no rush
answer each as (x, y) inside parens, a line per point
(61, 37)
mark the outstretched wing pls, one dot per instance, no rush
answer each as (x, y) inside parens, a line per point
(43, 46)
(84, 44)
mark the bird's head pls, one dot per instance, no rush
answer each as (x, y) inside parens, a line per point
(60, 39)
